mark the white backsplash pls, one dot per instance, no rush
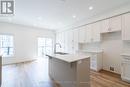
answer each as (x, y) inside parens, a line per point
(90, 46)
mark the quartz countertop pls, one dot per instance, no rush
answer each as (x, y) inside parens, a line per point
(69, 57)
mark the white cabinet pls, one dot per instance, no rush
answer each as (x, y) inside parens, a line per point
(88, 34)
(104, 26)
(126, 27)
(96, 61)
(66, 41)
(115, 24)
(96, 32)
(82, 34)
(111, 25)
(75, 40)
(125, 75)
(71, 41)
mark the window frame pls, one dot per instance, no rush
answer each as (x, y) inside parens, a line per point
(10, 56)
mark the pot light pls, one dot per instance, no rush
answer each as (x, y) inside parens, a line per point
(74, 16)
(91, 8)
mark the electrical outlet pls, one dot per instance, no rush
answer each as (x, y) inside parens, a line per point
(112, 68)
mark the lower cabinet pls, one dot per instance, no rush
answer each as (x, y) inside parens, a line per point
(96, 61)
(125, 68)
(0, 70)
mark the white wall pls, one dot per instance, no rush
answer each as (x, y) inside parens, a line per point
(112, 48)
(25, 40)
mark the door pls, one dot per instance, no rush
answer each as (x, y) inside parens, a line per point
(126, 27)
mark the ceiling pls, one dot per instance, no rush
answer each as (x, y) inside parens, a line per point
(57, 14)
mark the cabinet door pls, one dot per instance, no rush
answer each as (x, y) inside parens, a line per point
(75, 40)
(115, 24)
(82, 32)
(125, 70)
(96, 32)
(104, 26)
(66, 41)
(126, 27)
(69, 41)
(88, 34)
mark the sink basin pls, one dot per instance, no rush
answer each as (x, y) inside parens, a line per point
(61, 53)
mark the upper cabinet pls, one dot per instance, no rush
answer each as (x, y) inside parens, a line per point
(75, 40)
(115, 23)
(96, 32)
(105, 26)
(71, 41)
(88, 34)
(82, 34)
(126, 27)
(111, 25)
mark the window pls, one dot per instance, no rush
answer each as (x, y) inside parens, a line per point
(6, 45)
(45, 46)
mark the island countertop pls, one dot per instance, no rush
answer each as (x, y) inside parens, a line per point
(69, 57)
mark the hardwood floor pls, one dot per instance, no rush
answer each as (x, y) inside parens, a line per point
(106, 79)
(35, 74)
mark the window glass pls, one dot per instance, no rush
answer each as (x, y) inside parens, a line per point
(6, 45)
(44, 46)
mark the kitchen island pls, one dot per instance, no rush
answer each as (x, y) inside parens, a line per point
(70, 70)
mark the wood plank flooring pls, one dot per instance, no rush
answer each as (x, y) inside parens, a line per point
(35, 74)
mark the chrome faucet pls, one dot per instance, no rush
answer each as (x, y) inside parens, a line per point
(55, 46)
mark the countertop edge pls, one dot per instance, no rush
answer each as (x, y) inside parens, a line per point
(69, 61)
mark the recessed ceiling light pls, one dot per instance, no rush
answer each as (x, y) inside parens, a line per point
(91, 8)
(74, 16)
